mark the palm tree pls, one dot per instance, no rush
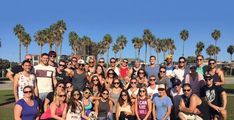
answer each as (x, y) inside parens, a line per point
(107, 40)
(115, 48)
(199, 47)
(101, 48)
(26, 41)
(86, 41)
(184, 34)
(138, 43)
(19, 30)
(212, 50)
(41, 38)
(147, 38)
(216, 35)
(230, 50)
(121, 42)
(62, 29)
(74, 42)
(164, 47)
(170, 45)
(158, 48)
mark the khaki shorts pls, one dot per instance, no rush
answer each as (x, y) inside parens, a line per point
(191, 116)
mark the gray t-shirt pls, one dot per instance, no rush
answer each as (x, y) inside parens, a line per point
(78, 80)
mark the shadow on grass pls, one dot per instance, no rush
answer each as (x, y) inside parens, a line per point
(10, 99)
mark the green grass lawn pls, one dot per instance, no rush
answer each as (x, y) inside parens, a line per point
(6, 111)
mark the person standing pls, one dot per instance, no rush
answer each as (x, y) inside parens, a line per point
(18, 68)
(163, 78)
(181, 71)
(79, 76)
(24, 78)
(217, 73)
(52, 59)
(123, 69)
(169, 66)
(152, 69)
(62, 73)
(114, 66)
(134, 70)
(201, 68)
(45, 76)
(216, 98)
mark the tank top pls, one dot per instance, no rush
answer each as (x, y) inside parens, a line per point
(204, 109)
(78, 80)
(142, 107)
(58, 112)
(25, 81)
(103, 108)
(115, 96)
(74, 115)
(125, 109)
(123, 72)
(216, 77)
(89, 106)
(134, 73)
(28, 112)
(186, 100)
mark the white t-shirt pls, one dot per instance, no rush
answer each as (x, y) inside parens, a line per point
(151, 91)
(179, 74)
(44, 75)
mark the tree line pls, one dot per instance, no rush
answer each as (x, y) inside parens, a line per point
(53, 36)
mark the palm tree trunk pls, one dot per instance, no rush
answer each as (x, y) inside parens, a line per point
(138, 56)
(183, 49)
(41, 49)
(150, 50)
(26, 50)
(231, 57)
(60, 53)
(164, 53)
(157, 57)
(215, 57)
(50, 45)
(120, 55)
(145, 53)
(135, 53)
(115, 56)
(20, 52)
(107, 58)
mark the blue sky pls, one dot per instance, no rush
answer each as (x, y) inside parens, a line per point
(95, 18)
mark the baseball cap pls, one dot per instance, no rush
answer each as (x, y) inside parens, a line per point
(81, 61)
(161, 86)
(208, 76)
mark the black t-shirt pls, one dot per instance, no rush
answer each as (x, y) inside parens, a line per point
(50, 97)
(62, 76)
(212, 94)
(16, 69)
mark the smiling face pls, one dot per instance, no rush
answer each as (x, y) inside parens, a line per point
(28, 92)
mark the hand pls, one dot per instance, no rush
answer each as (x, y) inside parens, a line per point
(217, 84)
(196, 111)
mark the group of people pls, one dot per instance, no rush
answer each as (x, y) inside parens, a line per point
(93, 89)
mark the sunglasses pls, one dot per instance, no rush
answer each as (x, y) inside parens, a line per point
(27, 91)
(62, 65)
(105, 93)
(186, 90)
(95, 79)
(208, 79)
(162, 71)
(152, 79)
(141, 90)
(74, 60)
(112, 61)
(81, 65)
(62, 95)
(211, 63)
(77, 94)
(87, 93)
(52, 56)
(133, 82)
(110, 73)
(199, 59)
(101, 61)
(141, 73)
(177, 84)
(161, 89)
(116, 83)
(29, 59)
(181, 61)
(124, 95)
(91, 62)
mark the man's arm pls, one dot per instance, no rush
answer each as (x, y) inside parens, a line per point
(9, 75)
(224, 99)
(192, 105)
(15, 87)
